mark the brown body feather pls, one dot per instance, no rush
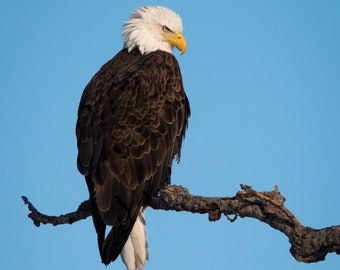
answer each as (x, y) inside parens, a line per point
(131, 121)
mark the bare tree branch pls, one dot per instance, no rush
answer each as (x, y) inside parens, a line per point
(83, 211)
(307, 244)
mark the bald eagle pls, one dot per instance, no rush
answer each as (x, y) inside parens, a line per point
(132, 118)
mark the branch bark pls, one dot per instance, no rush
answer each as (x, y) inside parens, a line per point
(307, 244)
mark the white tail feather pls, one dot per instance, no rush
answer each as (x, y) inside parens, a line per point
(135, 251)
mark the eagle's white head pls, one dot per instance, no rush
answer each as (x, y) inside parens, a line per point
(153, 28)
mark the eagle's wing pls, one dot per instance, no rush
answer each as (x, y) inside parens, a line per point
(131, 120)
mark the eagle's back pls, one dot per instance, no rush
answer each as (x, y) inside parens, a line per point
(131, 120)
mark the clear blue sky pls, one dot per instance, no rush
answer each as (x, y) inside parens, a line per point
(263, 78)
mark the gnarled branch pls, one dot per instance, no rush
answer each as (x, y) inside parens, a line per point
(307, 244)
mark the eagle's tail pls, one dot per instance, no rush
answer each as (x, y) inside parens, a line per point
(135, 251)
(130, 243)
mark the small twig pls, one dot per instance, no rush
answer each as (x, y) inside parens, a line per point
(231, 219)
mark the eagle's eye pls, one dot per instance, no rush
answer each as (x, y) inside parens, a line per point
(166, 29)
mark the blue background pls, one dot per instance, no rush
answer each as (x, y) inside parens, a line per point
(263, 81)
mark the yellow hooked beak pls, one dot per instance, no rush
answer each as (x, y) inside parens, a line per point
(177, 40)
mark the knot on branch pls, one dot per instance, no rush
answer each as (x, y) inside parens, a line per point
(268, 206)
(274, 195)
